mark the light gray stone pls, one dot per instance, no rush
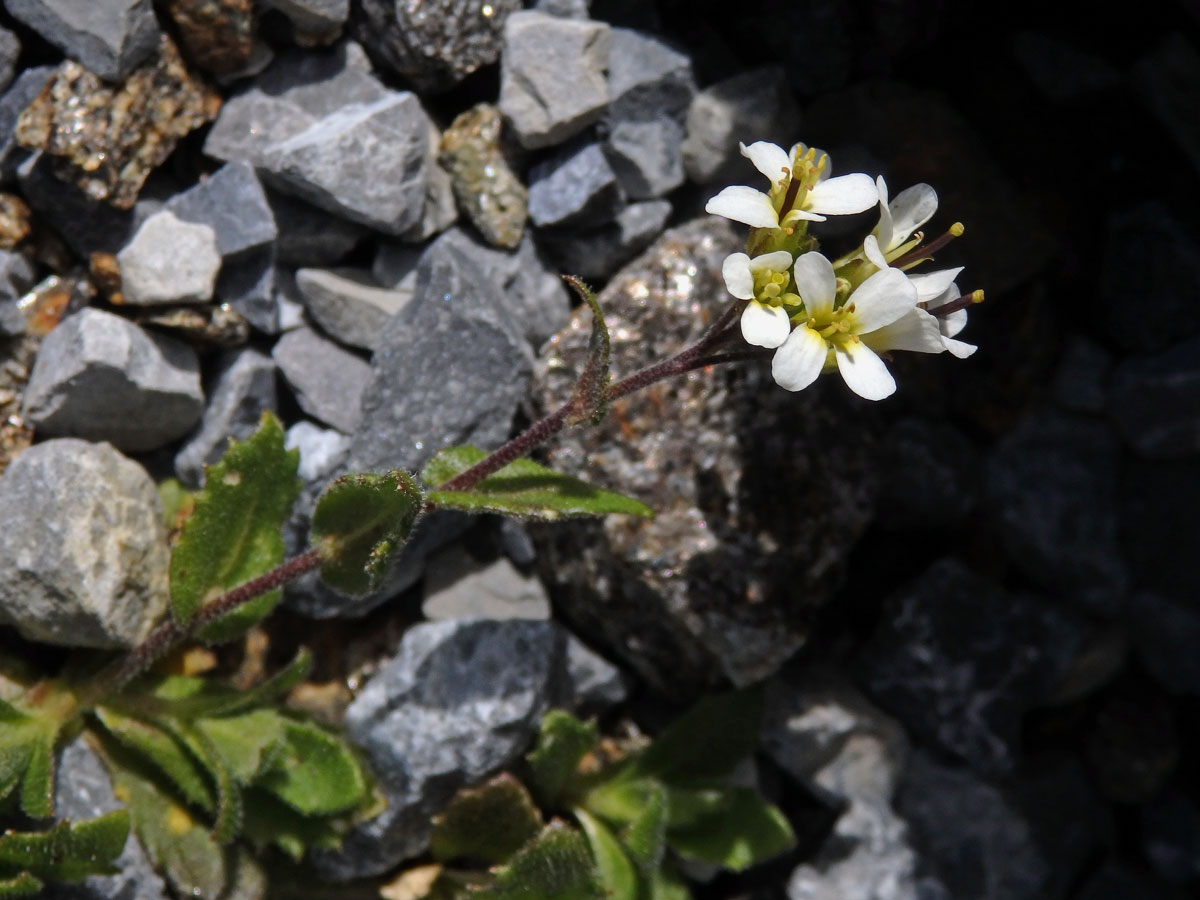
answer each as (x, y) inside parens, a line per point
(348, 304)
(321, 450)
(461, 700)
(552, 81)
(19, 95)
(647, 156)
(328, 380)
(314, 16)
(232, 203)
(83, 790)
(169, 261)
(576, 187)
(567, 9)
(440, 211)
(243, 388)
(647, 80)
(596, 684)
(17, 274)
(457, 587)
(599, 252)
(10, 49)
(83, 546)
(101, 377)
(109, 37)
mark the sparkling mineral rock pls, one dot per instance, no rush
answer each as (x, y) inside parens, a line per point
(217, 35)
(759, 494)
(107, 139)
(486, 187)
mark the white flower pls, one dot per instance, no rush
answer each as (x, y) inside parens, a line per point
(899, 218)
(839, 335)
(800, 189)
(763, 281)
(952, 323)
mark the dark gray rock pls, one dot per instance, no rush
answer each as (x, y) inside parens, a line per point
(440, 210)
(248, 283)
(109, 37)
(85, 225)
(1160, 525)
(12, 319)
(1081, 383)
(931, 476)
(1150, 269)
(328, 379)
(83, 546)
(567, 9)
(596, 684)
(460, 700)
(1165, 633)
(647, 156)
(599, 252)
(1171, 837)
(1053, 485)
(83, 790)
(552, 82)
(1115, 881)
(1156, 402)
(647, 80)
(436, 43)
(309, 236)
(348, 304)
(748, 107)
(578, 186)
(243, 387)
(969, 835)
(169, 261)
(316, 17)
(232, 203)
(10, 49)
(99, 376)
(22, 92)
(17, 275)
(457, 587)
(959, 662)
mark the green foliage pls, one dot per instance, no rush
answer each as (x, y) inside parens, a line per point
(234, 532)
(589, 401)
(360, 522)
(562, 744)
(486, 824)
(555, 865)
(65, 852)
(742, 831)
(523, 488)
(27, 738)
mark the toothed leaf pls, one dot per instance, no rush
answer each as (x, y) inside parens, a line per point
(556, 865)
(67, 851)
(315, 772)
(589, 401)
(562, 743)
(618, 877)
(158, 746)
(486, 824)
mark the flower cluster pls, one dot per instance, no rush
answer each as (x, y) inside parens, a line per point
(819, 315)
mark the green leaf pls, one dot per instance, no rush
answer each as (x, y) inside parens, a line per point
(707, 741)
(23, 885)
(746, 831)
(618, 878)
(37, 788)
(360, 522)
(486, 824)
(27, 742)
(589, 401)
(556, 865)
(667, 886)
(186, 697)
(234, 533)
(229, 795)
(268, 820)
(155, 743)
(315, 772)
(687, 806)
(67, 851)
(646, 836)
(523, 488)
(562, 744)
(176, 501)
(621, 800)
(247, 742)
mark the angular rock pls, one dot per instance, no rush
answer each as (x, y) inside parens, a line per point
(217, 35)
(243, 388)
(1053, 484)
(457, 587)
(578, 186)
(599, 252)
(461, 700)
(309, 236)
(102, 378)
(20, 94)
(17, 275)
(106, 139)
(596, 684)
(83, 790)
(248, 283)
(85, 225)
(552, 82)
(1156, 402)
(232, 203)
(169, 261)
(931, 476)
(440, 210)
(328, 380)
(314, 17)
(348, 304)
(321, 449)
(10, 49)
(749, 107)
(959, 661)
(567, 9)
(109, 37)
(647, 80)
(1165, 632)
(83, 546)
(436, 43)
(1171, 837)
(646, 156)
(748, 539)
(1081, 383)
(485, 185)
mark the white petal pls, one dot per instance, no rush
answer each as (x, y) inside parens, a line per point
(882, 189)
(798, 363)
(843, 195)
(744, 204)
(881, 300)
(931, 285)
(954, 322)
(884, 230)
(864, 372)
(776, 261)
(764, 326)
(815, 283)
(951, 293)
(961, 349)
(768, 158)
(916, 330)
(911, 209)
(739, 280)
(871, 248)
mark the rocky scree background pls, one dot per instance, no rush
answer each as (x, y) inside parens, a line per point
(975, 606)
